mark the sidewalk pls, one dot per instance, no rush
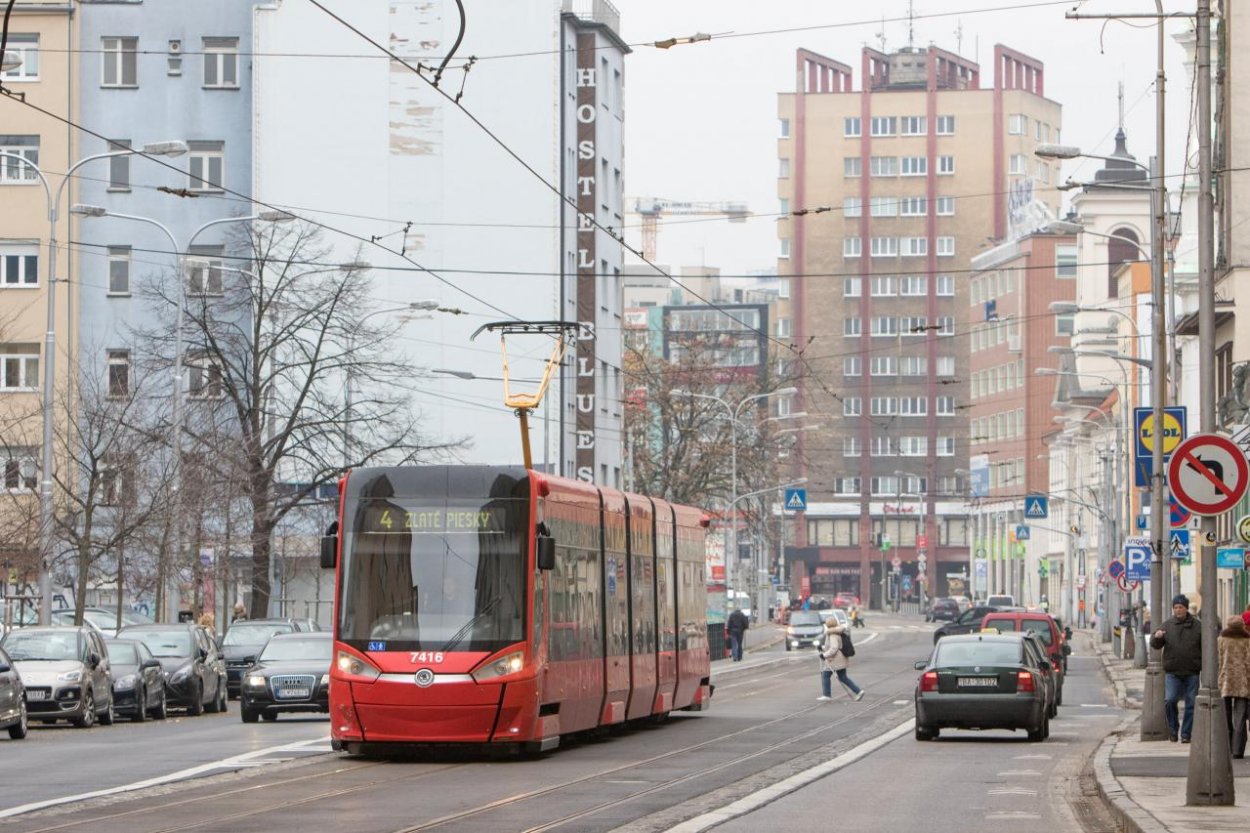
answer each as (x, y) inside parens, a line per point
(1144, 784)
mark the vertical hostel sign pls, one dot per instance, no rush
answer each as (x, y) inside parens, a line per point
(587, 303)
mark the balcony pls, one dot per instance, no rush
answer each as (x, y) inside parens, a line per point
(596, 11)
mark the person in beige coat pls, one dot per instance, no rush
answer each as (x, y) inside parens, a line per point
(1234, 646)
(833, 661)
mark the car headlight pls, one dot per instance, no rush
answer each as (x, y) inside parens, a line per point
(325, 680)
(125, 683)
(507, 664)
(255, 681)
(70, 676)
(353, 666)
(181, 675)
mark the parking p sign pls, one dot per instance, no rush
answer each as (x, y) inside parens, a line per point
(1137, 559)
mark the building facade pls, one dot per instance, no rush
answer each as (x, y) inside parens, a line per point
(913, 173)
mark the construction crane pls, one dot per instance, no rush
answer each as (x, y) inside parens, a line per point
(650, 209)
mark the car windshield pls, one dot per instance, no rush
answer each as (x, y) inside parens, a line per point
(1039, 627)
(286, 650)
(254, 634)
(804, 617)
(123, 653)
(1003, 625)
(31, 646)
(977, 653)
(166, 643)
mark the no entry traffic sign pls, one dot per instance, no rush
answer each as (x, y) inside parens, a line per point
(1208, 474)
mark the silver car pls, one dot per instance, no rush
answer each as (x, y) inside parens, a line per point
(65, 672)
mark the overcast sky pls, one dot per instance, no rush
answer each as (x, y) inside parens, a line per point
(701, 119)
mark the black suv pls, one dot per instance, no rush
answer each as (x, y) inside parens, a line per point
(195, 673)
(944, 608)
(969, 621)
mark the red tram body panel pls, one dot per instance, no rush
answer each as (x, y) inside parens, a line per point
(492, 605)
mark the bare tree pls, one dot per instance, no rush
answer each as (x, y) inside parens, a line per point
(268, 350)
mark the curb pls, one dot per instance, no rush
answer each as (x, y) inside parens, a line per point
(1129, 815)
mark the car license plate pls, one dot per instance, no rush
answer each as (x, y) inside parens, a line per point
(291, 693)
(36, 694)
(978, 682)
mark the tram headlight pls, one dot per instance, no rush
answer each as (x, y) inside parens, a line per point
(501, 667)
(354, 666)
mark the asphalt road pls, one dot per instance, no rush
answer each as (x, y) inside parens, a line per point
(764, 729)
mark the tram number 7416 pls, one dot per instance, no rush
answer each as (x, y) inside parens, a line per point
(430, 657)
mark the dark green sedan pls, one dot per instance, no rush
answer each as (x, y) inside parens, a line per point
(982, 681)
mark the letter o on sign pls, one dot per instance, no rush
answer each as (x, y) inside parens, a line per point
(586, 113)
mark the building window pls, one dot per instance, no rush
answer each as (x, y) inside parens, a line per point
(852, 207)
(27, 48)
(846, 485)
(851, 327)
(851, 127)
(1064, 325)
(913, 366)
(884, 125)
(1019, 164)
(913, 325)
(173, 62)
(120, 62)
(852, 287)
(783, 328)
(221, 63)
(946, 125)
(783, 206)
(119, 372)
(884, 325)
(883, 366)
(784, 248)
(884, 286)
(20, 469)
(885, 247)
(914, 206)
(852, 366)
(204, 270)
(886, 486)
(945, 286)
(119, 270)
(1065, 261)
(205, 381)
(946, 206)
(1043, 173)
(883, 206)
(852, 406)
(946, 165)
(13, 171)
(883, 166)
(946, 246)
(119, 166)
(884, 406)
(945, 406)
(881, 447)
(915, 166)
(783, 168)
(851, 166)
(852, 247)
(784, 125)
(912, 125)
(914, 286)
(913, 406)
(19, 265)
(913, 446)
(945, 325)
(783, 287)
(207, 164)
(851, 447)
(946, 446)
(945, 365)
(1017, 124)
(915, 246)
(19, 367)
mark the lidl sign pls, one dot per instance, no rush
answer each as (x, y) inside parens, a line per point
(1172, 432)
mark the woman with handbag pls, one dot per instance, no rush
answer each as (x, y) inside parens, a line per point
(834, 660)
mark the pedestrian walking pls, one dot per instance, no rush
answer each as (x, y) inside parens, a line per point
(834, 660)
(737, 626)
(1180, 637)
(1235, 682)
(240, 612)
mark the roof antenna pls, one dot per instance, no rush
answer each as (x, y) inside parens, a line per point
(881, 34)
(911, 23)
(1121, 97)
(959, 38)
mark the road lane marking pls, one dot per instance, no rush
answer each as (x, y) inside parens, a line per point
(1012, 814)
(1035, 757)
(901, 702)
(1019, 773)
(767, 795)
(1013, 791)
(245, 760)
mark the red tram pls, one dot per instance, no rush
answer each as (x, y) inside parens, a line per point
(489, 605)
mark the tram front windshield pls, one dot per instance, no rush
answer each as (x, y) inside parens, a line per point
(444, 574)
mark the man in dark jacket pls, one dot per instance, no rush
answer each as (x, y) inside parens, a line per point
(1181, 640)
(737, 626)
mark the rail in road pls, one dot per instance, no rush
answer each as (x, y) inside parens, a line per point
(764, 728)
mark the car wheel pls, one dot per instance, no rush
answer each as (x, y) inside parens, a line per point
(107, 716)
(925, 733)
(270, 716)
(1059, 698)
(223, 699)
(141, 706)
(216, 707)
(161, 712)
(196, 706)
(19, 729)
(1043, 729)
(787, 646)
(248, 715)
(88, 712)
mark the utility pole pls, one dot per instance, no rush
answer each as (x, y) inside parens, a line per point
(1210, 780)
(1108, 543)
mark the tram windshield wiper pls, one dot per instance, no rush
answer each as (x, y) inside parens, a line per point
(468, 626)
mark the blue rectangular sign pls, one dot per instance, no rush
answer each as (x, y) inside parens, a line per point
(1180, 544)
(1137, 560)
(1173, 431)
(796, 500)
(1231, 557)
(1022, 532)
(1036, 507)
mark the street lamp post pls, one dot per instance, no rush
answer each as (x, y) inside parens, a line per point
(734, 412)
(53, 198)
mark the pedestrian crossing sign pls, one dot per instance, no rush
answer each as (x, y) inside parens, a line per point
(1036, 506)
(796, 500)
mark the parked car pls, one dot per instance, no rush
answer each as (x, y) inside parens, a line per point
(12, 699)
(138, 682)
(963, 601)
(65, 672)
(291, 675)
(982, 681)
(944, 608)
(1001, 600)
(967, 622)
(1047, 631)
(242, 643)
(195, 673)
(100, 618)
(806, 628)
(845, 601)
